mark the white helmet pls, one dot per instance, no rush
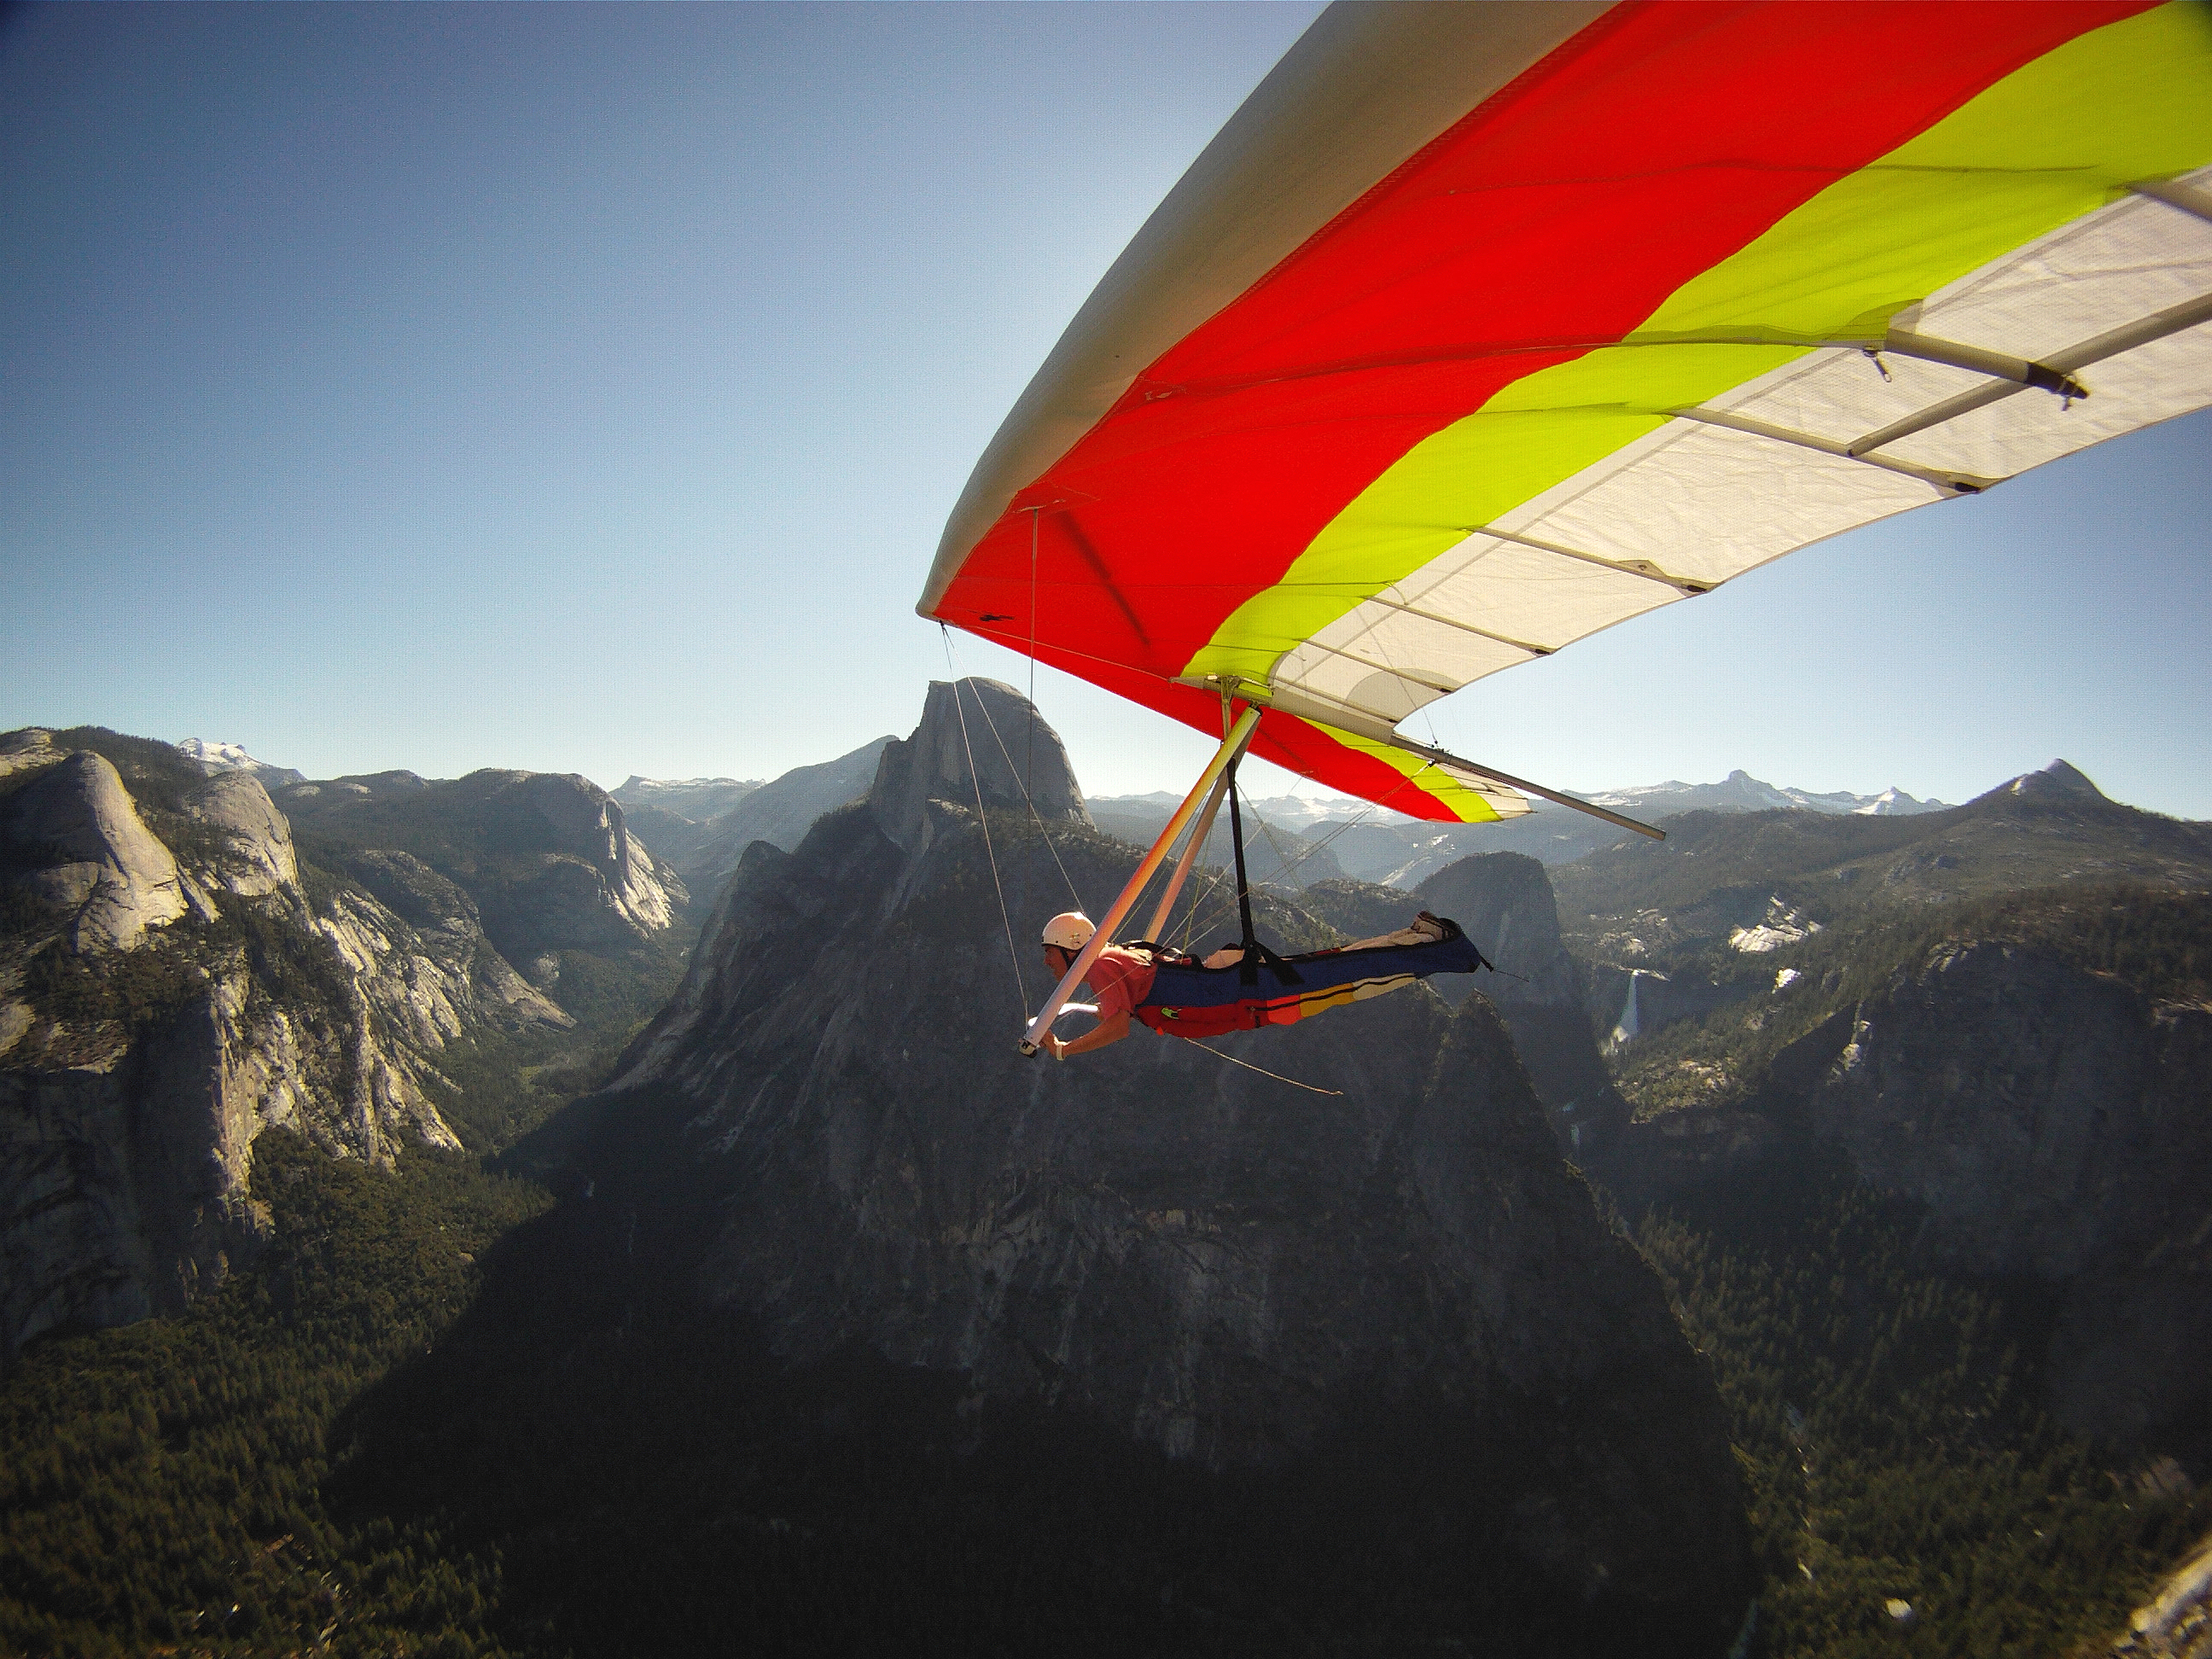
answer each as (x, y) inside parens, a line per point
(1070, 930)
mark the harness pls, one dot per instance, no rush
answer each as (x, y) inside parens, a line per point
(1248, 970)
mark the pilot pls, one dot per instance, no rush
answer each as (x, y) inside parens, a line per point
(1122, 979)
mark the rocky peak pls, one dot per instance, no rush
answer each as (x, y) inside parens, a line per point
(258, 859)
(582, 821)
(584, 818)
(548, 858)
(1017, 760)
(1504, 902)
(93, 855)
(1204, 1258)
(2059, 781)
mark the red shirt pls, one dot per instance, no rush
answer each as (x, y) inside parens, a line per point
(1119, 980)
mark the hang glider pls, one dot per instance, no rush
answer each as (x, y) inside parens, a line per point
(1481, 327)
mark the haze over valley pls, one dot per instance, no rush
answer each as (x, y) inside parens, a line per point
(729, 1063)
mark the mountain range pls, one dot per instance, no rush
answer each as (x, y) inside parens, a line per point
(696, 799)
(1401, 853)
(687, 822)
(184, 967)
(1873, 1247)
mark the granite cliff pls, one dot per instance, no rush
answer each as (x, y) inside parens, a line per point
(1234, 1267)
(175, 981)
(1504, 902)
(2028, 1074)
(2051, 1123)
(547, 858)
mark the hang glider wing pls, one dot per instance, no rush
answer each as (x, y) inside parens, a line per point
(1481, 327)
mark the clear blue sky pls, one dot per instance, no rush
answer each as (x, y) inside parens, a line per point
(584, 389)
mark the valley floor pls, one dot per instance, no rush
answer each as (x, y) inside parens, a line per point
(444, 1418)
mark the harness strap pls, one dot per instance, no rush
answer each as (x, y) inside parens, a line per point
(1248, 971)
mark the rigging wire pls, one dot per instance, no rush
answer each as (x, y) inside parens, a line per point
(1191, 925)
(1284, 862)
(1021, 984)
(1283, 868)
(1029, 768)
(1027, 798)
(1192, 921)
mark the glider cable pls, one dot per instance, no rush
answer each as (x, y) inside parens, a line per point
(1027, 798)
(1194, 922)
(983, 818)
(1029, 768)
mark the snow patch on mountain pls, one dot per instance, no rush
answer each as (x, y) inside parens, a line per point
(1302, 812)
(1739, 791)
(213, 756)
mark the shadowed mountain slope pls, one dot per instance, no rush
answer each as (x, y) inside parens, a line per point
(1219, 1262)
(780, 811)
(2028, 1072)
(1503, 901)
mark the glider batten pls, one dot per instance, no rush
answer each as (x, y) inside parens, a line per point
(1928, 236)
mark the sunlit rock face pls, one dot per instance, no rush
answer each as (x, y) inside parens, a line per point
(89, 856)
(165, 1003)
(548, 858)
(123, 1179)
(573, 877)
(1017, 762)
(258, 858)
(1238, 1267)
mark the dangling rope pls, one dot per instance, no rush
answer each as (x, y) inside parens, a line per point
(1021, 985)
(1311, 1088)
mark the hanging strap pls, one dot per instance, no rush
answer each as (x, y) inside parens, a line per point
(1248, 971)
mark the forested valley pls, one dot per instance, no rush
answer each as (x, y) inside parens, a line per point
(472, 1404)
